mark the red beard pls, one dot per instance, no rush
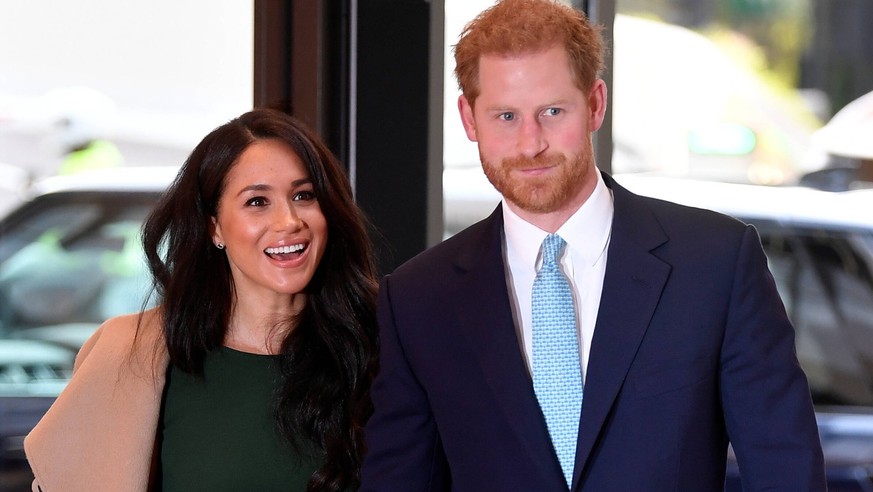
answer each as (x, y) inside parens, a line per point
(540, 194)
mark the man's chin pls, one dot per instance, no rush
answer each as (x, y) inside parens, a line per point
(536, 201)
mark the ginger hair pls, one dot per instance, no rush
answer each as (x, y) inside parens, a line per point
(514, 27)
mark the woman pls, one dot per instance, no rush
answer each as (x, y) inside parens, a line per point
(253, 373)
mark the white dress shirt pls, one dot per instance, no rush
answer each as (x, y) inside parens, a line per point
(583, 262)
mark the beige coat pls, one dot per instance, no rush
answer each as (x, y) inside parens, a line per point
(100, 432)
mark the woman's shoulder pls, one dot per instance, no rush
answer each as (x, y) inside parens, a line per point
(128, 325)
(124, 333)
(144, 319)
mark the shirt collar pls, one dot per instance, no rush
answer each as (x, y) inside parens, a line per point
(586, 231)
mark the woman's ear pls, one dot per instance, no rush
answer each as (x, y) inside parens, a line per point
(215, 233)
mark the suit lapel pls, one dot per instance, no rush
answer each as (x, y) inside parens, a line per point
(485, 315)
(634, 277)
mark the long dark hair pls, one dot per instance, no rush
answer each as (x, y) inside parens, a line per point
(328, 360)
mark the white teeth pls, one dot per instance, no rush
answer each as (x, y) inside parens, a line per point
(284, 249)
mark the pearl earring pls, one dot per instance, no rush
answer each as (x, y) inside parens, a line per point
(219, 245)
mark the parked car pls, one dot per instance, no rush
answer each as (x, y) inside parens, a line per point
(819, 245)
(70, 257)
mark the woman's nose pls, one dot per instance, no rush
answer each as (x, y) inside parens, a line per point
(288, 219)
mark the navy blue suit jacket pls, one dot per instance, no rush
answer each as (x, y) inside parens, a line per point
(692, 349)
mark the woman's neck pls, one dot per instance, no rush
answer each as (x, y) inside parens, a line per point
(261, 327)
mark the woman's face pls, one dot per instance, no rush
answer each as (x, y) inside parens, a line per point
(270, 222)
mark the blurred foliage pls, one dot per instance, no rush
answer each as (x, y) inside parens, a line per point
(777, 31)
(782, 28)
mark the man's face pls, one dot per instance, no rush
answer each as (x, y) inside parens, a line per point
(533, 126)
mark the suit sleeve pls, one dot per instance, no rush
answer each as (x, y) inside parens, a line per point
(765, 395)
(404, 451)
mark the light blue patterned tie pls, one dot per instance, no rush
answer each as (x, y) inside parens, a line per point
(557, 375)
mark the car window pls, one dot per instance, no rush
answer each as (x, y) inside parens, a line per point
(825, 280)
(67, 263)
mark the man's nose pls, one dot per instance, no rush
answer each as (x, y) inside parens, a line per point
(531, 139)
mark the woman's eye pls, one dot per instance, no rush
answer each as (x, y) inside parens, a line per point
(304, 196)
(257, 201)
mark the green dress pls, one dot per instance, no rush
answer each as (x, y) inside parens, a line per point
(218, 432)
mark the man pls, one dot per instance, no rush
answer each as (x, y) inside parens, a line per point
(679, 343)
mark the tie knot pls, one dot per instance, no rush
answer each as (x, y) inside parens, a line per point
(553, 244)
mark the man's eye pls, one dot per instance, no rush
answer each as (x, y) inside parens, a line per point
(257, 201)
(507, 116)
(304, 196)
(552, 111)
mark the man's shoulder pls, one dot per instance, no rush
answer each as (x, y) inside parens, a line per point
(462, 249)
(630, 201)
(673, 216)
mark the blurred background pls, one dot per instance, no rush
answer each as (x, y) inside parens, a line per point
(101, 101)
(735, 90)
(150, 79)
